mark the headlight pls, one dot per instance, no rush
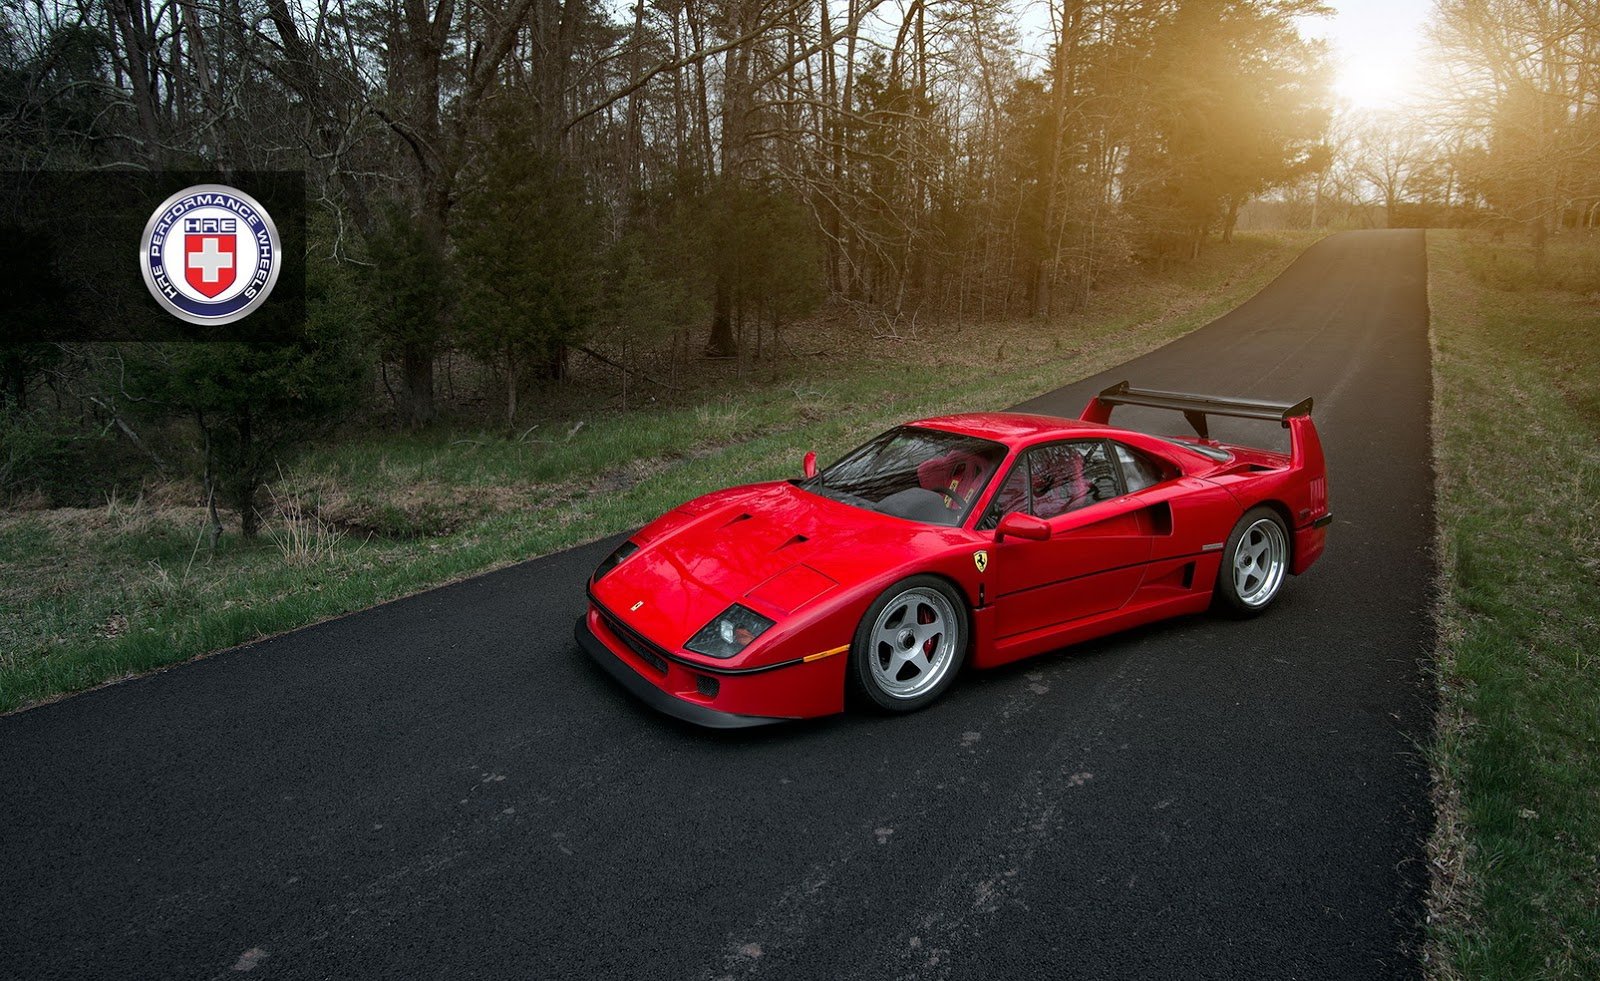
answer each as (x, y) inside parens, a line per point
(614, 559)
(728, 634)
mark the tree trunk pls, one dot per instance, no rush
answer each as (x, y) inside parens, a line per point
(1041, 287)
(635, 124)
(247, 481)
(1059, 90)
(736, 97)
(1230, 221)
(249, 517)
(131, 24)
(702, 98)
(829, 125)
(208, 475)
(555, 365)
(511, 388)
(416, 368)
(722, 343)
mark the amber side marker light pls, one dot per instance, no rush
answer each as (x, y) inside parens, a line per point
(822, 654)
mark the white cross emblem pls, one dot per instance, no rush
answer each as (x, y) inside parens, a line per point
(209, 260)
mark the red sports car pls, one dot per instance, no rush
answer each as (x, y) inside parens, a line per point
(988, 536)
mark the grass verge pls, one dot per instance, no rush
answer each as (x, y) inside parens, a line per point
(89, 595)
(1516, 849)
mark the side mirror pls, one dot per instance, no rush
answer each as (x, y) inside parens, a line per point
(810, 465)
(1025, 526)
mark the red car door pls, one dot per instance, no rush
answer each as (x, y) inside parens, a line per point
(1099, 543)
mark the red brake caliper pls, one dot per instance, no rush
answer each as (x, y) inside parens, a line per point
(927, 645)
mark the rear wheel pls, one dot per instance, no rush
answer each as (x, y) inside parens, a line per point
(1255, 562)
(910, 645)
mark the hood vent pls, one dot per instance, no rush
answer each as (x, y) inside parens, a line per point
(796, 540)
(733, 521)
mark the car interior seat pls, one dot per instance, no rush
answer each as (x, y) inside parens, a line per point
(958, 473)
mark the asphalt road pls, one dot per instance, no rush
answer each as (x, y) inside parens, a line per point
(446, 787)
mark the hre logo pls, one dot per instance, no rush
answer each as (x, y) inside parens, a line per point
(210, 254)
(210, 247)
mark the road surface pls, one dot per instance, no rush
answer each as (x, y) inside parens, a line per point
(446, 787)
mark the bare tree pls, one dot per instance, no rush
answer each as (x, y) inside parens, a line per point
(1519, 85)
(1387, 151)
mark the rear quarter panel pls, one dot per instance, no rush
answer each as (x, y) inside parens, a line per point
(1288, 492)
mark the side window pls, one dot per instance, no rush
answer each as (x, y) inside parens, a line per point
(1138, 470)
(1102, 473)
(1052, 480)
(1012, 496)
(1068, 476)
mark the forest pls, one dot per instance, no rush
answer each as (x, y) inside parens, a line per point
(533, 187)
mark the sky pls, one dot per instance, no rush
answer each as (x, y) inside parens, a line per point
(1377, 45)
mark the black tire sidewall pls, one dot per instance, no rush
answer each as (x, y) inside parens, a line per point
(1227, 594)
(864, 689)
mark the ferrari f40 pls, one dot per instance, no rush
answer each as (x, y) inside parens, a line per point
(972, 539)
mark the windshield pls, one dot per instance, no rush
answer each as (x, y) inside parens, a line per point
(919, 474)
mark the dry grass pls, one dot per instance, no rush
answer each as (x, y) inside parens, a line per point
(302, 537)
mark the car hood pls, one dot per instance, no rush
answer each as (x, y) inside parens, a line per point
(773, 547)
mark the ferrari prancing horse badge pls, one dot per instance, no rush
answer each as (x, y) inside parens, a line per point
(980, 559)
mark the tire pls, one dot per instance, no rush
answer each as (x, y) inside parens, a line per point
(898, 664)
(1255, 563)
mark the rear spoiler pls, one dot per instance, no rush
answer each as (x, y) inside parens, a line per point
(1195, 408)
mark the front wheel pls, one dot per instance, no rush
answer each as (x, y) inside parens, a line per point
(909, 645)
(1255, 562)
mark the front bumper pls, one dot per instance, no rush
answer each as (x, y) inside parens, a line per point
(618, 665)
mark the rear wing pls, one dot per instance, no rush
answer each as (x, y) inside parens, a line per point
(1195, 408)
(1305, 448)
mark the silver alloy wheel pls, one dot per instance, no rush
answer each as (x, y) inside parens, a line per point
(1259, 563)
(913, 643)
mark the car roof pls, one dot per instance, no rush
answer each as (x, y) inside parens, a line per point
(1011, 427)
